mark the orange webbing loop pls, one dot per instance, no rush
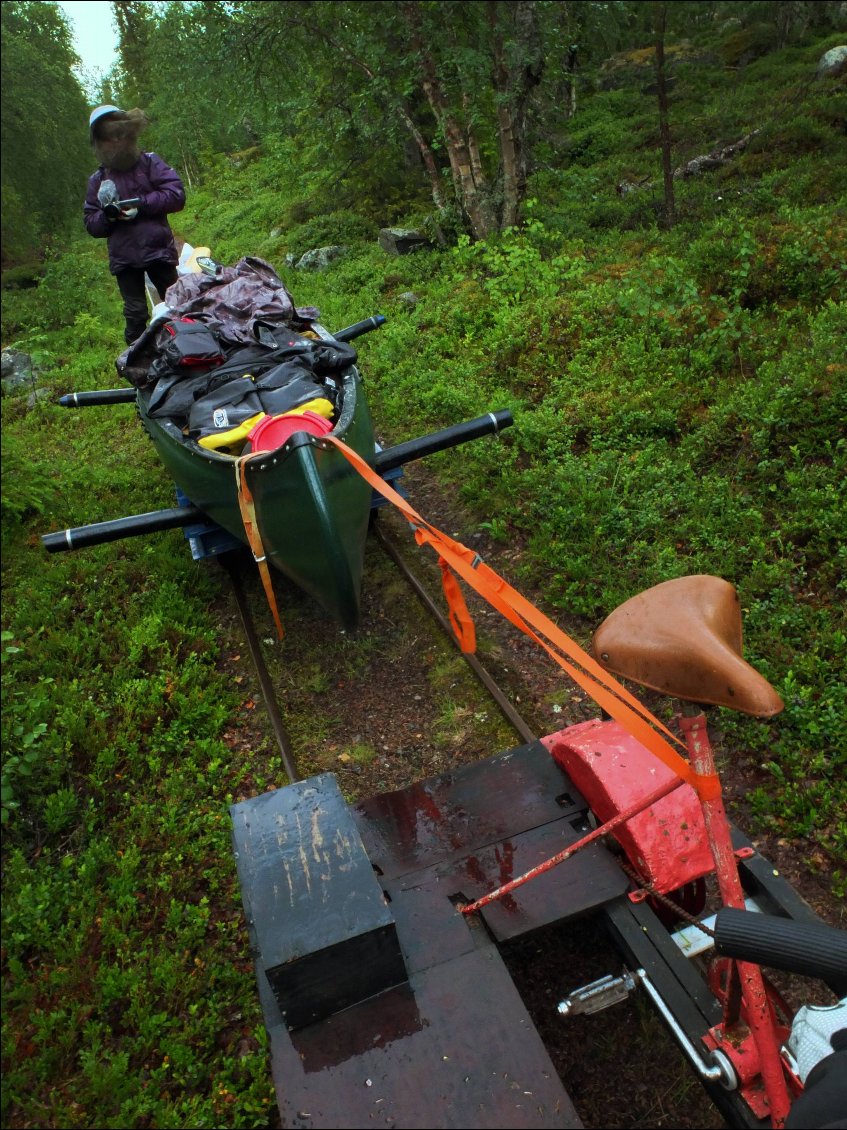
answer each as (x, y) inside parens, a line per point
(606, 691)
(254, 535)
(460, 618)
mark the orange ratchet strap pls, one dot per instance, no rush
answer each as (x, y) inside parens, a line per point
(607, 692)
(254, 535)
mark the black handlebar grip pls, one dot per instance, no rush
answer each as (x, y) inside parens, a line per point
(810, 949)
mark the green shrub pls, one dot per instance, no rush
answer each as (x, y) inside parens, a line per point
(22, 276)
(341, 227)
(27, 485)
(73, 283)
(743, 46)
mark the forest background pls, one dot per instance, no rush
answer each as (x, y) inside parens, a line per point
(669, 333)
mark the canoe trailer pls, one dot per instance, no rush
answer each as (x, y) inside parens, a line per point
(377, 927)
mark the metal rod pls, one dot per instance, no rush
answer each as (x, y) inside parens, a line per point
(712, 1073)
(101, 396)
(265, 683)
(491, 424)
(510, 714)
(359, 328)
(132, 526)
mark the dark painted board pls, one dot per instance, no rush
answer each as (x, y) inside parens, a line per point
(647, 944)
(450, 816)
(430, 927)
(324, 934)
(459, 1050)
(454, 1047)
(760, 878)
(469, 832)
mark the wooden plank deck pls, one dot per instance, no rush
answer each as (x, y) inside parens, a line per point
(453, 1046)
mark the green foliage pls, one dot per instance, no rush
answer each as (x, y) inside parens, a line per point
(135, 24)
(44, 116)
(679, 401)
(340, 227)
(26, 489)
(71, 286)
(25, 275)
(21, 753)
(115, 767)
(749, 43)
(175, 69)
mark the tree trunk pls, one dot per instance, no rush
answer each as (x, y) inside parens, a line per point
(489, 218)
(570, 82)
(187, 164)
(477, 171)
(513, 89)
(461, 164)
(664, 128)
(428, 158)
(464, 164)
(509, 146)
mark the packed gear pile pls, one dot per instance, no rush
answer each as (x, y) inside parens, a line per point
(227, 352)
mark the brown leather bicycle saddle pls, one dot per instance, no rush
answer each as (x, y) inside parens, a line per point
(683, 638)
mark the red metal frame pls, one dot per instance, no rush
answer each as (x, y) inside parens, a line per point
(666, 842)
(674, 837)
(749, 1030)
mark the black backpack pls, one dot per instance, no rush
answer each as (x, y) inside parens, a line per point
(186, 344)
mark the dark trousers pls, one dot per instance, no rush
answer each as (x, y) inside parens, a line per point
(131, 285)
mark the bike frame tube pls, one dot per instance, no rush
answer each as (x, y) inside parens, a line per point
(757, 1008)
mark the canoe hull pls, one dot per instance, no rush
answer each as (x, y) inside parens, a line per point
(311, 506)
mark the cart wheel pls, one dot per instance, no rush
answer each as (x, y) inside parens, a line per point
(692, 897)
(690, 901)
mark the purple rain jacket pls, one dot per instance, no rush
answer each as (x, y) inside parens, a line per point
(148, 238)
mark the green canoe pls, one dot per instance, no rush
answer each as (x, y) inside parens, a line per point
(312, 507)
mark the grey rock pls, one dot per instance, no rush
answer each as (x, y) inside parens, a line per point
(15, 369)
(833, 63)
(402, 241)
(36, 396)
(319, 258)
(408, 298)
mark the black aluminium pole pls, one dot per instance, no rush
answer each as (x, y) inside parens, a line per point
(491, 424)
(132, 526)
(101, 396)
